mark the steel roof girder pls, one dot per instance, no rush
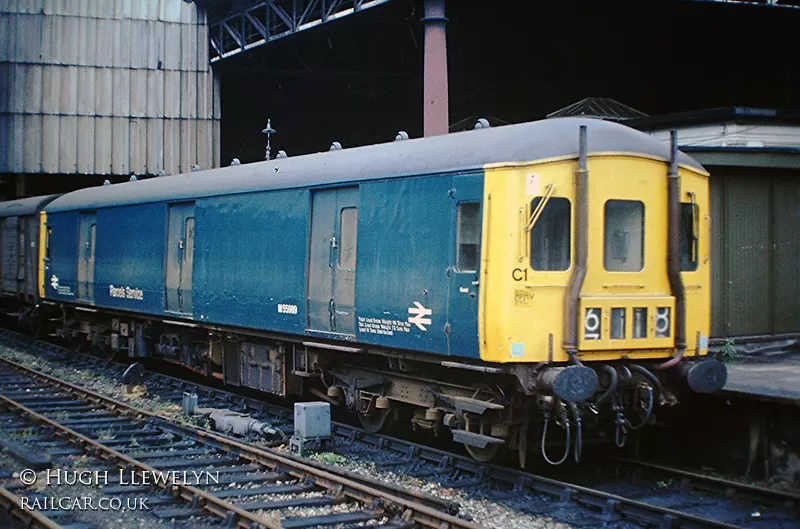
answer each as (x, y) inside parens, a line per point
(233, 33)
(261, 28)
(306, 12)
(283, 15)
(259, 18)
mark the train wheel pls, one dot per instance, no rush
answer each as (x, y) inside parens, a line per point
(376, 421)
(490, 394)
(36, 324)
(485, 454)
(80, 344)
(73, 343)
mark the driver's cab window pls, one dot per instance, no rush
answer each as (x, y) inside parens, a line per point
(550, 235)
(623, 239)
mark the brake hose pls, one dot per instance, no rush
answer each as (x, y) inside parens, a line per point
(648, 412)
(612, 385)
(649, 376)
(544, 439)
(576, 413)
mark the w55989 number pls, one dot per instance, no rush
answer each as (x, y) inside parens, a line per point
(284, 308)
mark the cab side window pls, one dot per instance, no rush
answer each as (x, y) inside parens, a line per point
(550, 236)
(689, 237)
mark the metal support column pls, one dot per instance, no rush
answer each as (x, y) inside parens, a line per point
(20, 186)
(436, 115)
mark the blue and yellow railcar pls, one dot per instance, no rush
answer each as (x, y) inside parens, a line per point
(476, 284)
(19, 257)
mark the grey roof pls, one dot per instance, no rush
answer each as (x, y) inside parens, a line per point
(24, 206)
(451, 152)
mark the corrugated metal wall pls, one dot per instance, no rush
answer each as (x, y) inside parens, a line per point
(755, 218)
(108, 87)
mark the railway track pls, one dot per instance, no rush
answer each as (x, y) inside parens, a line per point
(155, 454)
(689, 480)
(644, 506)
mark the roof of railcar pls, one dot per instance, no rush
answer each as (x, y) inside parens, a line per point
(459, 151)
(23, 206)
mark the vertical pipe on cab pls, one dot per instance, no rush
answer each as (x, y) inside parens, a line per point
(674, 252)
(581, 247)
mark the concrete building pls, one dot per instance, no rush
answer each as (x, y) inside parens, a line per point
(100, 89)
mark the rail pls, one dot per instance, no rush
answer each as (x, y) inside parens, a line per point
(727, 487)
(447, 463)
(12, 505)
(411, 506)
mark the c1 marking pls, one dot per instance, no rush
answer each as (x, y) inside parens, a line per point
(518, 274)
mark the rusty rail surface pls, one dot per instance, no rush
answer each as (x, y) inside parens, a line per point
(12, 505)
(730, 488)
(520, 482)
(411, 504)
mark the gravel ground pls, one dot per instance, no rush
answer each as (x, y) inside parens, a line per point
(487, 513)
(503, 514)
(506, 512)
(99, 383)
(774, 483)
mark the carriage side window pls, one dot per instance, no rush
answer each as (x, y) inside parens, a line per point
(47, 250)
(689, 237)
(550, 236)
(188, 253)
(348, 233)
(467, 236)
(623, 248)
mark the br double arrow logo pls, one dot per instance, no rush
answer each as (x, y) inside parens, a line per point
(419, 318)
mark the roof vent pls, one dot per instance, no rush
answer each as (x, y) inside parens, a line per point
(401, 136)
(236, 161)
(282, 154)
(107, 182)
(336, 146)
(482, 123)
(133, 178)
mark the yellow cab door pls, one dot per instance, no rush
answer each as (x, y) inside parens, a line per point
(625, 307)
